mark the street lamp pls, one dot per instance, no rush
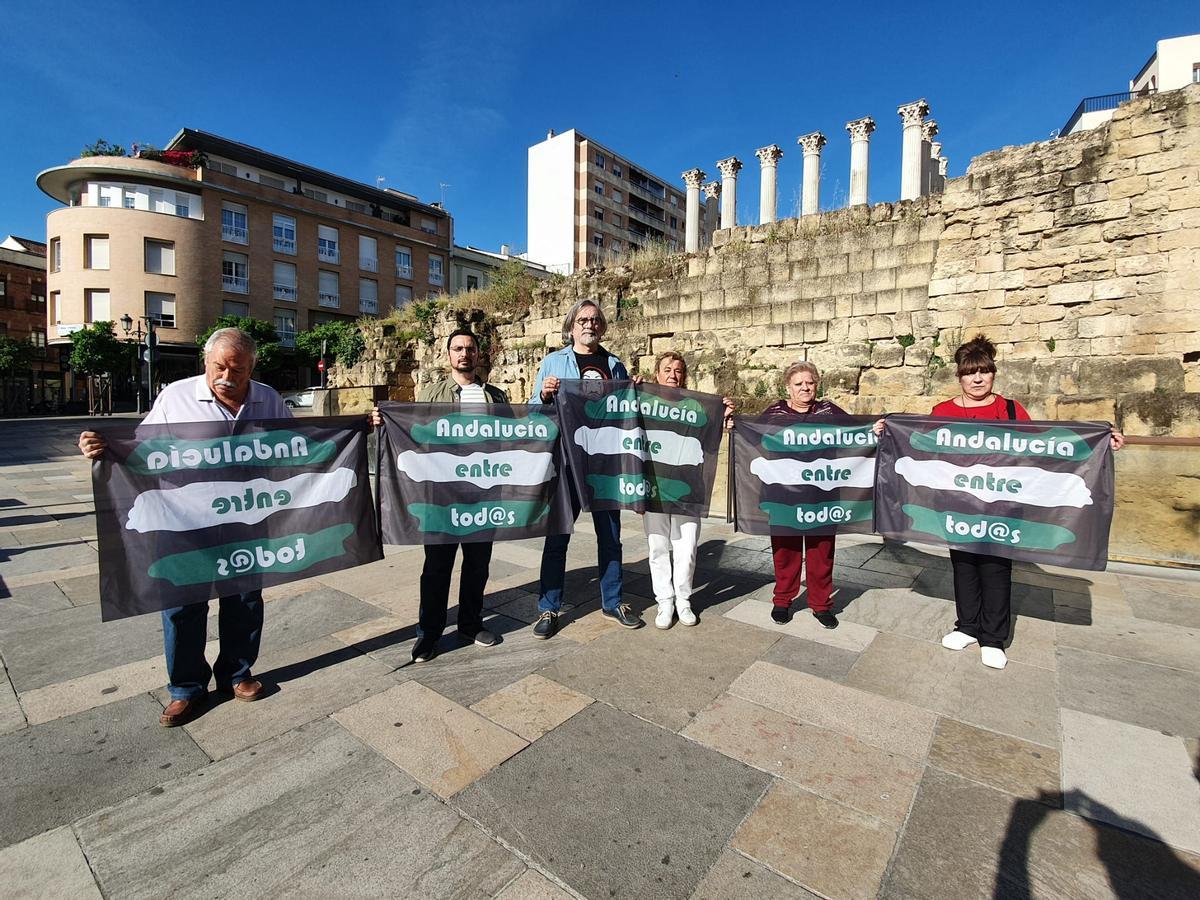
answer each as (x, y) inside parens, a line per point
(127, 323)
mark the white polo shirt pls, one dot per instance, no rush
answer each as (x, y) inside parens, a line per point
(191, 400)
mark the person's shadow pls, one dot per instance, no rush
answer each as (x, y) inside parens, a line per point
(1139, 865)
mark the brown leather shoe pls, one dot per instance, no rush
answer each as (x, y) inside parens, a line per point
(248, 690)
(178, 712)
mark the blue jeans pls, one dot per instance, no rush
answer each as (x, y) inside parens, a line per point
(185, 630)
(554, 563)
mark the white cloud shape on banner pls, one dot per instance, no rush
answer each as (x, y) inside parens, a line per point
(1038, 487)
(826, 474)
(665, 447)
(197, 505)
(483, 470)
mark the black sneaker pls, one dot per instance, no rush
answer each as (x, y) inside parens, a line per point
(546, 625)
(781, 614)
(482, 637)
(828, 619)
(624, 616)
(425, 650)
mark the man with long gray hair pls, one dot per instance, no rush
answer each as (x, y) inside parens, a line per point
(582, 357)
(224, 393)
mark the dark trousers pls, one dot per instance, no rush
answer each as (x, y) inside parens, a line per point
(791, 553)
(982, 596)
(185, 630)
(435, 587)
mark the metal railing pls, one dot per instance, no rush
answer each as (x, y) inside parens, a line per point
(238, 284)
(436, 278)
(286, 338)
(368, 305)
(285, 292)
(333, 301)
(1099, 103)
(646, 213)
(368, 264)
(404, 272)
(285, 245)
(328, 254)
(235, 233)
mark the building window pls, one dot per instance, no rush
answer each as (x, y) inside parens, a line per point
(674, 200)
(368, 296)
(674, 222)
(598, 240)
(614, 245)
(38, 338)
(616, 196)
(285, 281)
(96, 306)
(327, 244)
(617, 170)
(616, 220)
(472, 282)
(435, 270)
(129, 200)
(598, 214)
(160, 309)
(52, 312)
(183, 206)
(404, 268)
(600, 160)
(433, 295)
(429, 226)
(283, 232)
(235, 275)
(403, 296)
(235, 308)
(368, 253)
(95, 251)
(37, 300)
(234, 223)
(160, 257)
(285, 326)
(272, 181)
(55, 255)
(3, 290)
(600, 188)
(328, 294)
(1195, 73)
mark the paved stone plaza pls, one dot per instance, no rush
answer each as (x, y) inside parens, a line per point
(736, 759)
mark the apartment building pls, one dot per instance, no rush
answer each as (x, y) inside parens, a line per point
(472, 268)
(23, 317)
(588, 205)
(211, 226)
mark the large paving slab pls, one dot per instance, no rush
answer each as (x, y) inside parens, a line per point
(533, 885)
(55, 773)
(19, 561)
(532, 706)
(892, 726)
(900, 611)
(616, 807)
(444, 746)
(1018, 700)
(12, 717)
(303, 683)
(823, 762)
(1154, 697)
(847, 636)
(21, 604)
(1162, 606)
(48, 865)
(1140, 639)
(814, 658)
(997, 760)
(305, 617)
(89, 691)
(823, 845)
(1131, 777)
(664, 676)
(737, 877)
(985, 843)
(318, 814)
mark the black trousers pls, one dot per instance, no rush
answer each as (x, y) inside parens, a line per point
(982, 596)
(435, 587)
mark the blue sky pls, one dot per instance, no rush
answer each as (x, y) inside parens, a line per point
(453, 93)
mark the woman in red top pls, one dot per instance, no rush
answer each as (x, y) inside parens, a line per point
(815, 551)
(982, 582)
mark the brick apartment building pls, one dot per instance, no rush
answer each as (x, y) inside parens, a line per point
(23, 317)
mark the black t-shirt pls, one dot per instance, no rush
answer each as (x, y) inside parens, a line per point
(594, 366)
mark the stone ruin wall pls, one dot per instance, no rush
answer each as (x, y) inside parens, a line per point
(1079, 257)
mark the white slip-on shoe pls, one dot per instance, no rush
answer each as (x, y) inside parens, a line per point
(666, 613)
(993, 657)
(686, 615)
(956, 640)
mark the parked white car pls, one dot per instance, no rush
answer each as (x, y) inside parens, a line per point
(299, 399)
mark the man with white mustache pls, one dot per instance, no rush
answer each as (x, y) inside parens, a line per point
(224, 393)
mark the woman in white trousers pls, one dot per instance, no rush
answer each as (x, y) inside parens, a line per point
(673, 538)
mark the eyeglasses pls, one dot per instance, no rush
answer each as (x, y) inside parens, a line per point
(587, 320)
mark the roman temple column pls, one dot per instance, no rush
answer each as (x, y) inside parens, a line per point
(912, 115)
(860, 136)
(768, 159)
(729, 169)
(693, 178)
(810, 196)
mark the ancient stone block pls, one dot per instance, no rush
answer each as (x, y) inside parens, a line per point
(879, 280)
(1078, 292)
(1139, 146)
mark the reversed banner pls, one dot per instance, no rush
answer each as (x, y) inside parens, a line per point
(810, 477)
(454, 474)
(192, 511)
(1035, 491)
(645, 447)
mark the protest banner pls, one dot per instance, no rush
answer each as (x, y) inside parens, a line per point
(191, 511)
(1033, 491)
(809, 477)
(454, 474)
(644, 448)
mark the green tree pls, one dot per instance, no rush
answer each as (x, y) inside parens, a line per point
(95, 350)
(343, 341)
(14, 356)
(270, 353)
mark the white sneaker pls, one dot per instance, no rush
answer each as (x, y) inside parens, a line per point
(686, 616)
(993, 657)
(666, 612)
(956, 640)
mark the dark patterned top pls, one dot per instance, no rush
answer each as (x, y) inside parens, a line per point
(780, 411)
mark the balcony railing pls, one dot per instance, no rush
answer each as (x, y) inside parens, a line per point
(404, 272)
(285, 292)
(333, 301)
(285, 245)
(368, 264)
(646, 213)
(286, 338)
(1098, 103)
(235, 233)
(368, 305)
(328, 254)
(238, 284)
(435, 278)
